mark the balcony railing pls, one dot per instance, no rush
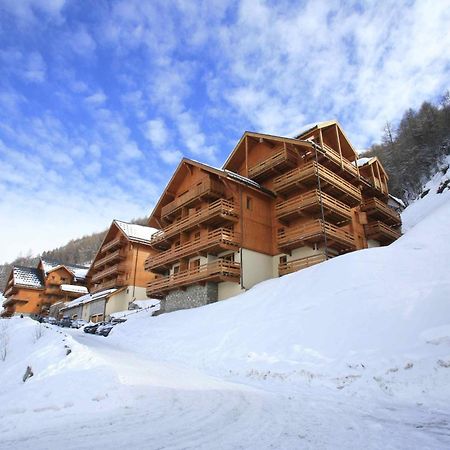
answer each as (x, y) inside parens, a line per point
(223, 209)
(314, 232)
(335, 157)
(109, 271)
(216, 240)
(11, 290)
(206, 188)
(109, 284)
(116, 255)
(301, 263)
(381, 232)
(113, 244)
(334, 209)
(308, 174)
(283, 159)
(379, 210)
(53, 289)
(219, 270)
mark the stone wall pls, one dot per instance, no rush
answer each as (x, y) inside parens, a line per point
(191, 297)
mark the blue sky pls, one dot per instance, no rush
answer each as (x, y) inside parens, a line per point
(100, 99)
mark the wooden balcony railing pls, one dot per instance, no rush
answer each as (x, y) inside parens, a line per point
(206, 188)
(11, 290)
(221, 208)
(216, 240)
(113, 244)
(381, 232)
(308, 174)
(111, 257)
(372, 185)
(283, 159)
(301, 263)
(109, 271)
(219, 270)
(313, 232)
(378, 210)
(109, 284)
(334, 156)
(334, 209)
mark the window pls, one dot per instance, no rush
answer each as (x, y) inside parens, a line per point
(249, 203)
(283, 259)
(176, 269)
(177, 244)
(197, 236)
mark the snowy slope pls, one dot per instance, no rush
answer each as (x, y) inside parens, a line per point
(351, 353)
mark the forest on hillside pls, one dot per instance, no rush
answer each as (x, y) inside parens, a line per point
(411, 151)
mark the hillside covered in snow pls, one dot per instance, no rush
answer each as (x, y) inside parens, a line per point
(351, 353)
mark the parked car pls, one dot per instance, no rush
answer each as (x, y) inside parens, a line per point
(51, 320)
(105, 329)
(118, 320)
(66, 322)
(78, 323)
(91, 328)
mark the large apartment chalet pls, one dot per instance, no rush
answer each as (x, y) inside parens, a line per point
(118, 267)
(278, 205)
(33, 290)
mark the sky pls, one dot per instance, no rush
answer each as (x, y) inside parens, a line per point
(99, 100)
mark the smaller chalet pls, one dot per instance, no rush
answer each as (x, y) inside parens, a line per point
(119, 265)
(32, 291)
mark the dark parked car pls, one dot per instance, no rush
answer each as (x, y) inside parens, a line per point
(92, 328)
(66, 322)
(105, 329)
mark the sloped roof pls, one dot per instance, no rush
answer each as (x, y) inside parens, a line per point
(28, 276)
(135, 232)
(89, 298)
(77, 270)
(74, 288)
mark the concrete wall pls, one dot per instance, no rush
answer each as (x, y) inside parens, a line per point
(121, 300)
(255, 267)
(71, 312)
(228, 289)
(93, 308)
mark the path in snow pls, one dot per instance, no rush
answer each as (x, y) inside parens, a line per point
(155, 405)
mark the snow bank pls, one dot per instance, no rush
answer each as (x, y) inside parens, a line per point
(362, 315)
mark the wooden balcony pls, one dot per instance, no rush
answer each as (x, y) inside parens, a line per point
(117, 282)
(378, 210)
(11, 290)
(346, 168)
(274, 164)
(313, 233)
(207, 188)
(308, 175)
(217, 212)
(373, 187)
(215, 242)
(312, 202)
(11, 301)
(117, 255)
(119, 241)
(53, 289)
(108, 272)
(381, 232)
(301, 263)
(219, 270)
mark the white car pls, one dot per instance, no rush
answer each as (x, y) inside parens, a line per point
(78, 323)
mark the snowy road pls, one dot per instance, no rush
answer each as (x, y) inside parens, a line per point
(151, 405)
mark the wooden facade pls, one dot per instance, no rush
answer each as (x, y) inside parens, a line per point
(120, 259)
(32, 291)
(290, 202)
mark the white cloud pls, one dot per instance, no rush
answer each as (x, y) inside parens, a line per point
(156, 132)
(170, 156)
(96, 99)
(35, 69)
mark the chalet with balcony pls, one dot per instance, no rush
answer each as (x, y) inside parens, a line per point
(31, 291)
(278, 205)
(24, 292)
(119, 264)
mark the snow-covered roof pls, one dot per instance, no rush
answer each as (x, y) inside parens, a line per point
(136, 232)
(147, 303)
(74, 288)
(28, 276)
(362, 161)
(397, 200)
(79, 271)
(89, 298)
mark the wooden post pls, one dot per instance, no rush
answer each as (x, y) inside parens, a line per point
(246, 156)
(339, 145)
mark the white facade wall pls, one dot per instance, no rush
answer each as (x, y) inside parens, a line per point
(372, 243)
(120, 301)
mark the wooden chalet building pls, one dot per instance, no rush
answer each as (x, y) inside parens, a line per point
(278, 205)
(32, 291)
(119, 266)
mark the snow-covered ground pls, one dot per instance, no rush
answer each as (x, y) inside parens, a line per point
(351, 353)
